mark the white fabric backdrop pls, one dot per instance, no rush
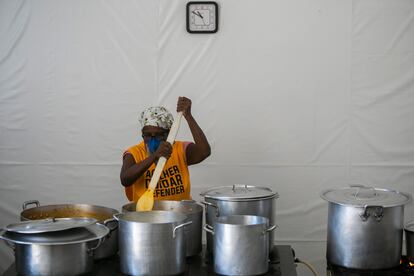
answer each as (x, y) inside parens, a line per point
(299, 96)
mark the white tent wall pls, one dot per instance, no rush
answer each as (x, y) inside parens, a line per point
(299, 96)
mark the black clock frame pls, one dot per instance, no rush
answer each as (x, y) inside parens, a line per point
(187, 14)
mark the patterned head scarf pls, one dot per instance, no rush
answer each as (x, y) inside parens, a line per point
(156, 116)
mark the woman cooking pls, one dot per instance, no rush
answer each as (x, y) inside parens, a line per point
(139, 160)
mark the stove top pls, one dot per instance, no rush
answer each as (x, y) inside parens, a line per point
(402, 270)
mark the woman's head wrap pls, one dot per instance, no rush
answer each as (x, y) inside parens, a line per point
(157, 116)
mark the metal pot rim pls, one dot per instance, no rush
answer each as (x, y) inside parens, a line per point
(182, 206)
(250, 193)
(179, 217)
(110, 211)
(72, 205)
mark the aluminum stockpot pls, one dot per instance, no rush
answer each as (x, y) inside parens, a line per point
(63, 253)
(239, 200)
(152, 243)
(409, 240)
(365, 227)
(102, 214)
(194, 213)
(241, 244)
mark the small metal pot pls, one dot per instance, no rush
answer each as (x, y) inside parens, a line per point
(102, 214)
(239, 200)
(152, 243)
(241, 245)
(68, 252)
(191, 209)
(365, 227)
(409, 240)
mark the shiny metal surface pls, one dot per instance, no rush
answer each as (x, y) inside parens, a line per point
(260, 207)
(68, 252)
(241, 245)
(194, 213)
(373, 242)
(65, 260)
(152, 243)
(100, 213)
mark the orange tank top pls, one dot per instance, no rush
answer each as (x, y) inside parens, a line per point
(174, 183)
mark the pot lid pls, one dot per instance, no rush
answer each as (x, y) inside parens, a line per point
(49, 225)
(362, 196)
(71, 236)
(239, 192)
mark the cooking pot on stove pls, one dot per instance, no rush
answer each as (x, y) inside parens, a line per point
(102, 214)
(241, 244)
(58, 249)
(191, 209)
(365, 227)
(152, 242)
(239, 200)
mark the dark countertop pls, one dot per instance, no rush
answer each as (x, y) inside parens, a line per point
(281, 264)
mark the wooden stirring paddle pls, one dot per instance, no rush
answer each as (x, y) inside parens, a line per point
(146, 201)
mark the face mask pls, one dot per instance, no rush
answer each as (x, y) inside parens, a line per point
(153, 144)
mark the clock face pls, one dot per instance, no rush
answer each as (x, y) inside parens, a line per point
(202, 17)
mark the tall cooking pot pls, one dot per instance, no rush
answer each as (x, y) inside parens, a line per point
(365, 227)
(191, 209)
(152, 243)
(102, 214)
(241, 244)
(239, 200)
(66, 252)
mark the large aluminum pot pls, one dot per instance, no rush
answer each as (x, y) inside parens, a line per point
(66, 253)
(102, 214)
(409, 240)
(191, 209)
(239, 200)
(365, 227)
(152, 243)
(241, 244)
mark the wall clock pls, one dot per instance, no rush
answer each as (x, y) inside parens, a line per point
(202, 17)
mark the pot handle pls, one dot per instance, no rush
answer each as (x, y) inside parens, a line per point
(92, 249)
(115, 216)
(36, 202)
(212, 205)
(378, 212)
(273, 227)
(209, 228)
(107, 223)
(179, 226)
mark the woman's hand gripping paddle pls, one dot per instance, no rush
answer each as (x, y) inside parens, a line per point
(146, 201)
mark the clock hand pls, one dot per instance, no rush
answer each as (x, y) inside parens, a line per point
(198, 14)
